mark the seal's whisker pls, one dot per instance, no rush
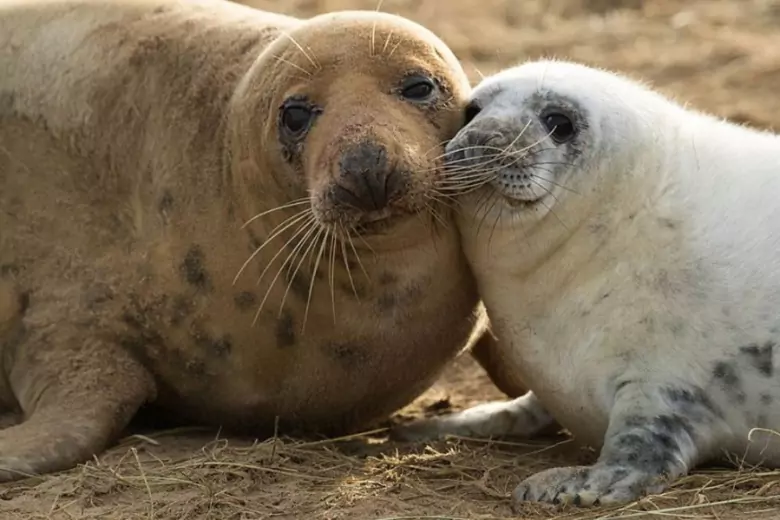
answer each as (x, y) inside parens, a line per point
(387, 41)
(294, 65)
(435, 215)
(309, 238)
(332, 273)
(395, 47)
(373, 30)
(304, 229)
(297, 202)
(281, 228)
(492, 198)
(344, 255)
(300, 48)
(314, 277)
(555, 215)
(495, 223)
(462, 187)
(357, 256)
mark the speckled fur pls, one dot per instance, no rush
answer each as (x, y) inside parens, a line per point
(136, 137)
(639, 299)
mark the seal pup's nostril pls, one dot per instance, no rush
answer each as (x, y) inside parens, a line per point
(472, 110)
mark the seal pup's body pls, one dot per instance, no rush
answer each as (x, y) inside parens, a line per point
(627, 253)
(138, 139)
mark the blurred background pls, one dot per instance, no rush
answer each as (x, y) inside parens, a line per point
(719, 55)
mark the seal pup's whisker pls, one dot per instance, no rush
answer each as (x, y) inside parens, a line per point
(278, 230)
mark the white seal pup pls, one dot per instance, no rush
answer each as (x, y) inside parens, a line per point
(626, 249)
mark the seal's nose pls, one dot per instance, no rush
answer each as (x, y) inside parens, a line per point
(367, 180)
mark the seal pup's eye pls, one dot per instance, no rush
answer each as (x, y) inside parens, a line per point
(296, 117)
(418, 88)
(560, 126)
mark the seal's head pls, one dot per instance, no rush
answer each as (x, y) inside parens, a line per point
(350, 110)
(542, 134)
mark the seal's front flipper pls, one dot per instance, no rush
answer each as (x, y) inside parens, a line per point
(656, 433)
(77, 395)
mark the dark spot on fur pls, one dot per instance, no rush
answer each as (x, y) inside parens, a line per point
(285, 333)
(692, 402)
(298, 284)
(347, 353)
(760, 357)
(96, 294)
(220, 347)
(387, 301)
(9, 270)
(358, 291)
(729, 380)
(193, 268)
(254, 243)
(387, 278)
(766, 399)
(245, 300)
(668, 223)
(196, 366)
(166, 202)
(7, 101)
(180, 310)
(24, 301)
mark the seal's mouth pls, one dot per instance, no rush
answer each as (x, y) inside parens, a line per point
(379, 222)
(516, 203)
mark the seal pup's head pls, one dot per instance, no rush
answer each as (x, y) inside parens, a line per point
(350, 111)
(548, 141)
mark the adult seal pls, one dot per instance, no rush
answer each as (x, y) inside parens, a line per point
(626, 251)
(229, 215)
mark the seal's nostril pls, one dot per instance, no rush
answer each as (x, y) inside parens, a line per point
(367, 180)
(472, 110)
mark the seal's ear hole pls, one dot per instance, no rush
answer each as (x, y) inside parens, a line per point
(472, 110)
(418, 88)
(560, 126)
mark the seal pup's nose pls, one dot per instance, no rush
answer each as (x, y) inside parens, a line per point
(367, 180)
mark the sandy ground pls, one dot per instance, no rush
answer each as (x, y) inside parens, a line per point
(719, 55)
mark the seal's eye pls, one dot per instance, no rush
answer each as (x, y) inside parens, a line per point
(472, 110)
(418, 88)
(296, 117)
(560, 126)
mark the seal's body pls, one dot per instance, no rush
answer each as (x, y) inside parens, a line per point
(229, 214)
(628, 263)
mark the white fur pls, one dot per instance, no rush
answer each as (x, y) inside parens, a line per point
(656, 257)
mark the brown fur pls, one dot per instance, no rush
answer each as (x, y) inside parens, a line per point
(136, 138)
